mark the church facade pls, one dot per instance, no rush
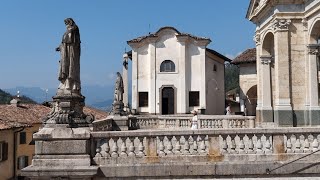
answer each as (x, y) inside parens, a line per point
(287, 43)
(174, 73)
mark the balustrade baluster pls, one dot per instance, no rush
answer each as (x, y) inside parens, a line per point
(169, 145)
(289, 146)
(259, 145)
(202, 144)
(161, 146)
(195, 145)
(250, 145)
(131, 147)
(243, 124)
(186, 146)
(219, 123)
(105, 149)
(297, 146)
(232, 144)
(114, 149)
(224, 146)
(98, 148)
(123, 147)
(306, 146)
(241, 145)
(177, 147)
(267, 146)
(141, 147)
(315, 145)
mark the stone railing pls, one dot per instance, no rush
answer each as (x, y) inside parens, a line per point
(144, 146)
(184, 122)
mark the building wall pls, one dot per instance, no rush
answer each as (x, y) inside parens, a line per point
(189, 60)
(215, 91)
(6, 167)
(294, 71)
(26, 149)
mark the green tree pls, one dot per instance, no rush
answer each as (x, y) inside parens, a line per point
(231, 76)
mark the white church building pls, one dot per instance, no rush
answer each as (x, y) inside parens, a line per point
(174, 73)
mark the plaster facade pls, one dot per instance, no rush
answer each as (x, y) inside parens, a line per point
(287, 46)
(6, 136)
(197, 69)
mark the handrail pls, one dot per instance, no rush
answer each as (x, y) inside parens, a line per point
(268, 171)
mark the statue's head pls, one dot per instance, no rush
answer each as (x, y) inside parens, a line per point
(118, 74)
(69, 21)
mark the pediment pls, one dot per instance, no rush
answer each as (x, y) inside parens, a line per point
(255, 7)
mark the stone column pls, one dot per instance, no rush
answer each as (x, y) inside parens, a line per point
(125, 82)
(314, 108)
(182, 89)
(266, 112)
(282, 109)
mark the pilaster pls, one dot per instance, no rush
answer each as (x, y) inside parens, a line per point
(125, 82)
(135, 70)
(314, 108)
(152, 75)
(266, 111)
(282, 109)
(182, 89)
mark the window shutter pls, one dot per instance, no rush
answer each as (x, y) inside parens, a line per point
(22, 162)
(5, 151)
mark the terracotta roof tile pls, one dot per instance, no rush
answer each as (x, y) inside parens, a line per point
(248, 56)
(141, 38)
(28, 114)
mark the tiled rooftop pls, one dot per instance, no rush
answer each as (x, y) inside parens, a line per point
(28, 114)
(248, 56)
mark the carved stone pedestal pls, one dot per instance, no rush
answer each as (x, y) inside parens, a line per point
(118, 108)
(61, 152)
(68, 109)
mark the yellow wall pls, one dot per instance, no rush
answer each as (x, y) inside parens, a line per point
(6, 167)
(26, 149)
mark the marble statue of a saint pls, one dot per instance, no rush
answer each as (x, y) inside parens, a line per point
(119, 89)
(69, 71)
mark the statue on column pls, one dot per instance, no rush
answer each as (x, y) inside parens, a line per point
(70, 49)
(68, 103)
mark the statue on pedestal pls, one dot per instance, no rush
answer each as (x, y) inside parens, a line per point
(68, 103)
(70, 49)
(117, 104)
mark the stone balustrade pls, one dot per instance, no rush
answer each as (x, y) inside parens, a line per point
(183, 122)
(203, 145)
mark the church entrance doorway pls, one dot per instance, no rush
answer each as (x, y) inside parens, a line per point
(167, 100)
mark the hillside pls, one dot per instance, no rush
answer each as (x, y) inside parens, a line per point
(5, 98)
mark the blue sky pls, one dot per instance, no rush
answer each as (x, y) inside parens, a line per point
(31, 30)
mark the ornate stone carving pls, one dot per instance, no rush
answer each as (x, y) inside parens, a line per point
(281, 24)
(305, 24)
(257, 39)
(313, 49)
(266, 60)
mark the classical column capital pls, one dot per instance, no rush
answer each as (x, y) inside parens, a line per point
(281, 24)
(257, 39)
(266, 59)
(313, 49)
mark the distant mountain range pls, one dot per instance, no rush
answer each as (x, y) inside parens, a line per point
(99, 97)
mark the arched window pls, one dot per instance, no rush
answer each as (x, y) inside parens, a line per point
(167, 66)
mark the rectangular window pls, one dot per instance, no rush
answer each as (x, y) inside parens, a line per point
(23, 138)
(194, 98)
(143, 99)
(3, 151)
(22, 162)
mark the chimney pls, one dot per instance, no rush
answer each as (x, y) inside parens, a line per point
(16, 100)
